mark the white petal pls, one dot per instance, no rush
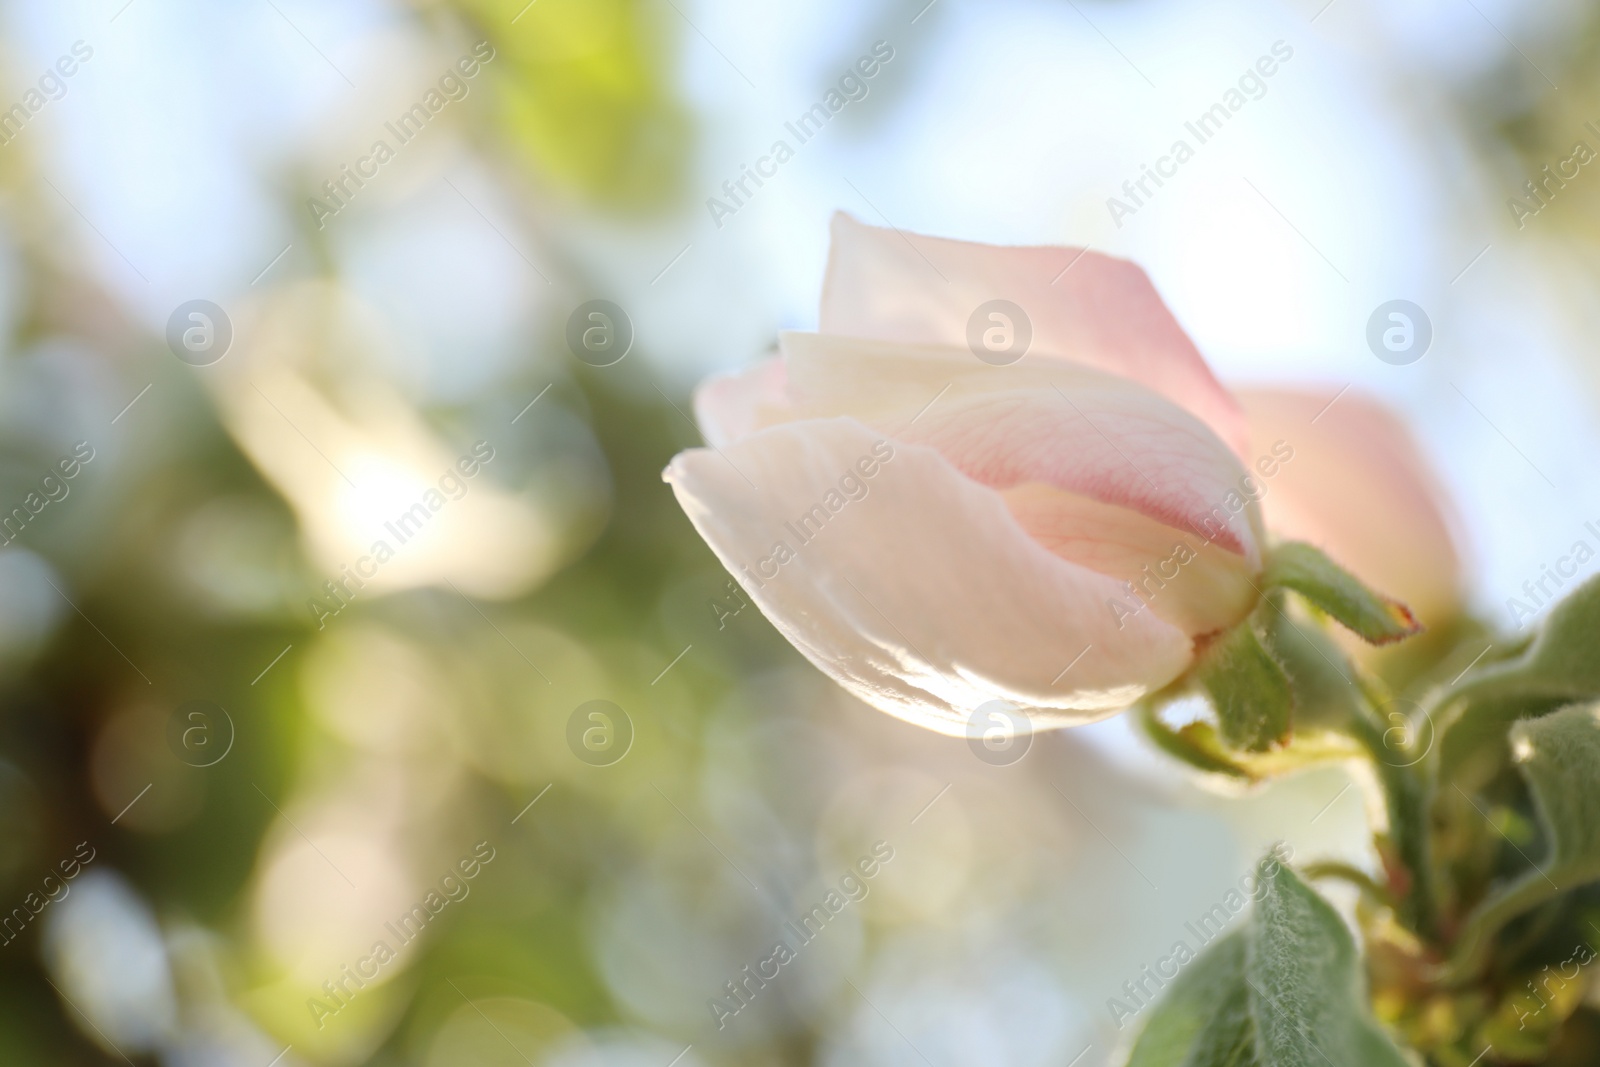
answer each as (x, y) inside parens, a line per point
(735, 405)
(1078, 429)
(923, 595)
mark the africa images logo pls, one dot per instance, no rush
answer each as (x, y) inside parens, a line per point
(1251, 85)
(408, 524)
(853, 887)
(851, 87)
(452, 86)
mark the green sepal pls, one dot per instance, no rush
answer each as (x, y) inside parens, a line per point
(1327, 692)
(1333, 590)
(1249, 689)
(1197, 744)
(1283, 990)
(1194, 743)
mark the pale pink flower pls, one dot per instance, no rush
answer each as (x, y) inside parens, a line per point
(936, 532)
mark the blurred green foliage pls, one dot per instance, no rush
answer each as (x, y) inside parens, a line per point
(585, 96)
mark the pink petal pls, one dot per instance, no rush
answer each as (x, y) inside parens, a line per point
(1358, 488)
(1059, 424)
(922, 596)
(1085, 307)
(735, 405)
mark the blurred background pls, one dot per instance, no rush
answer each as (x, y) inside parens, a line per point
(238, 750)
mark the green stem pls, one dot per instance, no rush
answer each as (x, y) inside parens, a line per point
(1346, 872)
(1476, 945)
(1408, 795)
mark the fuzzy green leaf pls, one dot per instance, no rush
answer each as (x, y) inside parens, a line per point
(1559, 667)
(1248, 688)
(1559, 757)
(1285, 990)
(1308, 571)
(1309, 995)
(1209, 1001)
